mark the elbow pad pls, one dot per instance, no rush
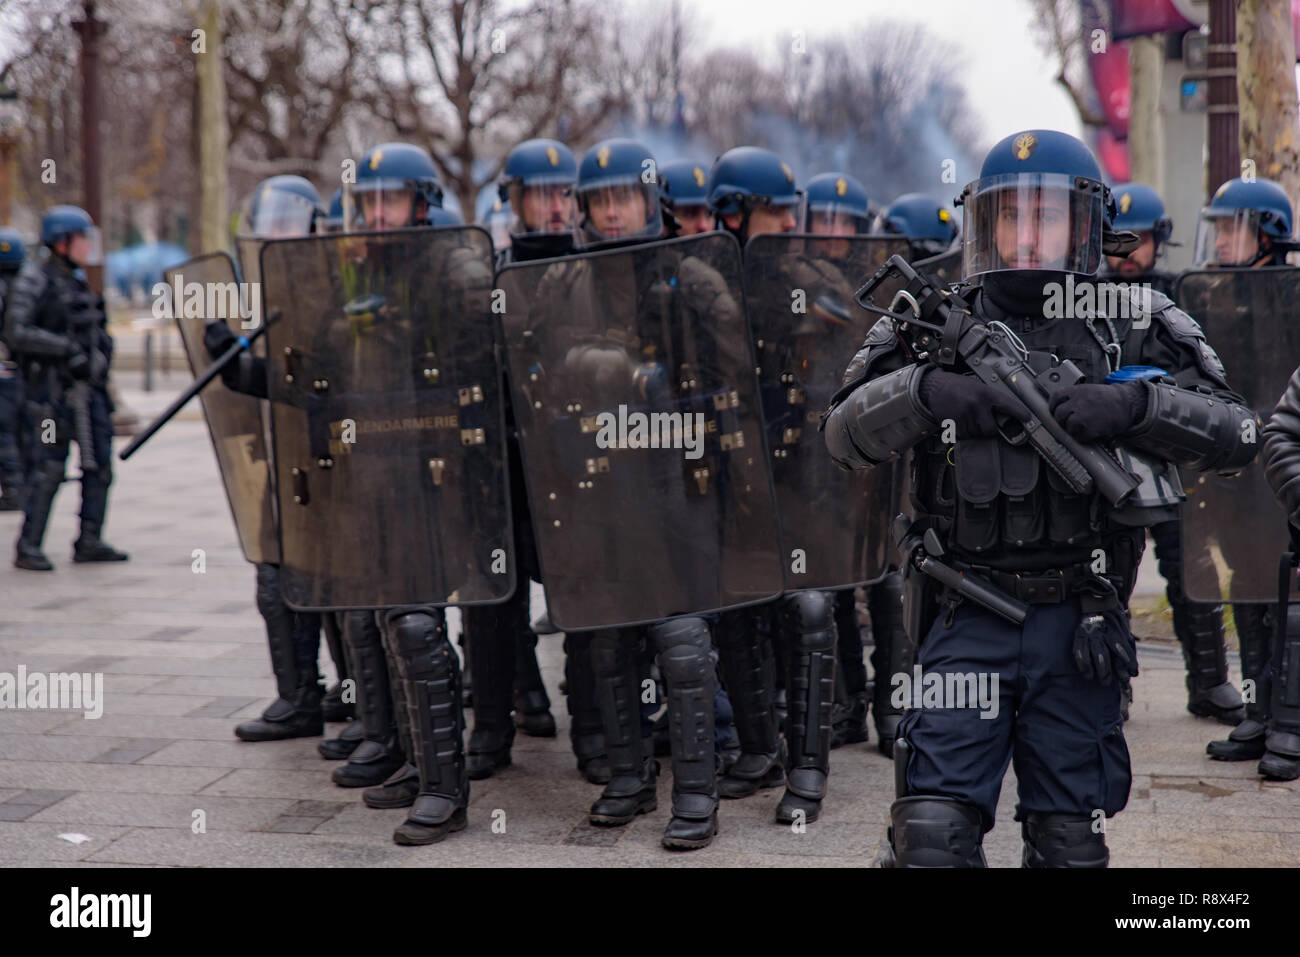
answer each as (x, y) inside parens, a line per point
(879, 420)
(1195, 429)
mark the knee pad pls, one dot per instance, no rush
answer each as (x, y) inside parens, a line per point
(933, 831)
(420, 639)
(1063, 840)
(685, 650)
(269, 600)
(810, 616)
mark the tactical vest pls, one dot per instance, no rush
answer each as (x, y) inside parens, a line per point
(1002, 504)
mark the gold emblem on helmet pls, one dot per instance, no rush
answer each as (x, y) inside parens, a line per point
(698, 173)
(375, 159)
(602, 157)
(788, 175)
(1125, 203)
(5, 247)
(841, 186)
(944, 216)
(1025, 145)
(553, 155)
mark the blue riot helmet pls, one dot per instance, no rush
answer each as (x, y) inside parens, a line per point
(930, 227)
(64, 222)
(396, 184)
(836, 205)
(12, 250)
(332, 221)
(618, 194)
(1140, 209)
(1039, 204)
(538, 186)
(747, 179)
(441, 216)
(1246, 222)
(280, 207)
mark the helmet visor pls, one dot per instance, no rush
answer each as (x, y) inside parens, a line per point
(616, 212)
(835, 219)
(274, 214)
(389, 203)
(1227, 237)
(1045, 221)
(542, 208)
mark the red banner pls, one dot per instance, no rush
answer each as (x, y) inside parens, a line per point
(1136, 18)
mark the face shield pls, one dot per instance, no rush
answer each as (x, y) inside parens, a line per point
(274, 214)
(1227, 237)
(1045, 221)
(619, 212)
(542, 208)
(384, 203)
(835, 219)
(86, 248)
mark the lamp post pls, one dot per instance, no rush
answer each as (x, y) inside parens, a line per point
(11, 128)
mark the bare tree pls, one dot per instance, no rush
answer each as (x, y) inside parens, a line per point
(1266, 91)
(1060, 28)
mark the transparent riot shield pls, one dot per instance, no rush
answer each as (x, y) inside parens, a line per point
(946, 266)
(1233, 528)
(387, 419)
(210, 290)
(642, 440)
(835, 524)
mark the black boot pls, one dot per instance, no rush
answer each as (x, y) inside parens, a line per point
(808, 627)
(532, 705)
(14, 495)
(745, 651)
(380, 754)
(586, 732)
(399, 790)
(89, 547)
(40, 499)
(430, 674)
(1199, 627)
(341, 748)
(296, 713)
(1063, 840)
(852, 700)
(632, 785)
(333, 705)
(492, 664)
(689, 666)
(1254, 624)
(893, 654)
(1281, 760)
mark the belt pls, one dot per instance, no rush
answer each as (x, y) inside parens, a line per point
(1050, 586)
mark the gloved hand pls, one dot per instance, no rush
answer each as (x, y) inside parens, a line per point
(1091, 411)
(972, 405)
(1104, 648)
(217, 338)
(79, 366)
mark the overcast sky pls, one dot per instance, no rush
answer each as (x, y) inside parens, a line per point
(1009, 80)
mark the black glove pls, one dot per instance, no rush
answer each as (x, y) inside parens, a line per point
(1091, 412)
(1104, 648)
(79, 366)
(971, 404)
(217, 338)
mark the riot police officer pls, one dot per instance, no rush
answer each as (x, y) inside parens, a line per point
(837, 205)
(617, 208)
(279, 207)
(752, 192)
(996, 513)
(13, 481)
(538, 182)
(1247, 225)
(1197, 625)
(929, 226)
(56, 328)
(683, 192)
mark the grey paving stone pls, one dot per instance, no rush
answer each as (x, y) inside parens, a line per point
(222, 707)
(26, 840)
(51, 747)
(152, 726)
(133, 750)
(298, 754)
(258, 849)
(108, 777)
(163, 811)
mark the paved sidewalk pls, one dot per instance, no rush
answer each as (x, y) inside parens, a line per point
(184, 659)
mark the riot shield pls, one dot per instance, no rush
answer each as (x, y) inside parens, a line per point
(835, 524)
(945, 266)
(1233, 528)
(639, 423)
(387, 419)
(234, 420)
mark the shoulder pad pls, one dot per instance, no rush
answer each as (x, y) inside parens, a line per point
(1188, 332)
(881, 333)
(880, 339)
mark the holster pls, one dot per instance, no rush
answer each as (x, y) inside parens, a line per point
(921, 595)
